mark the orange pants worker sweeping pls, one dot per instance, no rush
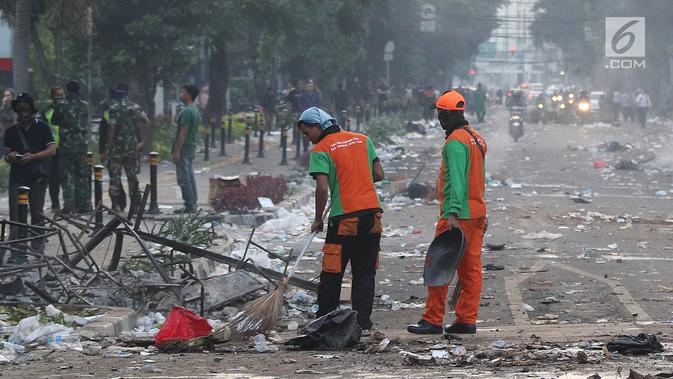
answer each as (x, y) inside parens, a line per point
(462, 205)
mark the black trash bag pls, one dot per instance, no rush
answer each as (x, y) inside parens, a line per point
(336, 330)
(635, 345)
(418, 191)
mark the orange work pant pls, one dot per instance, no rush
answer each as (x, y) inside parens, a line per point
(469, 275)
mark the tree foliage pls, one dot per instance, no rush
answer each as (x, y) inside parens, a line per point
(144, 42)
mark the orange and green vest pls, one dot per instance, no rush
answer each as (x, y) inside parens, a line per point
(347, 159)
(461, 181)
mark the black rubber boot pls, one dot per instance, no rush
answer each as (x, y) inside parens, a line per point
(424, 327)
(460, 328)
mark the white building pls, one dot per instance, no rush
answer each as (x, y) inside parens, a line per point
(509, 57)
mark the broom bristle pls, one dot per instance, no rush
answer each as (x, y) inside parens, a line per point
(260, 314)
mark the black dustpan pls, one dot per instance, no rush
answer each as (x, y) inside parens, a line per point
(443, 257)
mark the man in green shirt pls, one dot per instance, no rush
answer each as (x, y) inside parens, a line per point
(184, 149)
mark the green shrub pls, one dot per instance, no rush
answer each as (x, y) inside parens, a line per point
(4, 176)
(383, 127)
(163, 136)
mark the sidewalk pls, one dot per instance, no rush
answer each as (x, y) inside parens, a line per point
(170, 196)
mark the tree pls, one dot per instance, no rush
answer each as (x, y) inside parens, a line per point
(21, 45)
(144, 42)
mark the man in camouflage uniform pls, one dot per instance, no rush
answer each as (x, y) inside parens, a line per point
(73, 116)
(126, 122)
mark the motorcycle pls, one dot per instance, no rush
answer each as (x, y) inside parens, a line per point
(516, 123)
(583, 112)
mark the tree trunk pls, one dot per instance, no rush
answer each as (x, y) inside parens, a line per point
(21, 45)
(218, 81)
(41, 57)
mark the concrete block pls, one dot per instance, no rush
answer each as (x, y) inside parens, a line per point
(114, 321)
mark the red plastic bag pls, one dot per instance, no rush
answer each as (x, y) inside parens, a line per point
(182, 325)
(600, 164)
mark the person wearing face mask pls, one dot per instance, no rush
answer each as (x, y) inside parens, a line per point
(29, 146)
(57, 97)
(345, 167)
(72, 116)
(462, 205)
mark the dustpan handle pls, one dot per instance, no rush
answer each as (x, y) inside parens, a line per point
(306, 245)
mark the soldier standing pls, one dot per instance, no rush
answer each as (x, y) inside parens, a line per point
(72, 116)
(57, 96)
(125, 138)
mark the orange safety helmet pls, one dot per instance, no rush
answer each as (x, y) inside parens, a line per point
(451, 101)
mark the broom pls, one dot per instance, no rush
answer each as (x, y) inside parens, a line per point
(263, 313)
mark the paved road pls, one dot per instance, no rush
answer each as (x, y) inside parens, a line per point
(607, 264)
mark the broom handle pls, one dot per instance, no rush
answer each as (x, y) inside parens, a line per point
(306, 245)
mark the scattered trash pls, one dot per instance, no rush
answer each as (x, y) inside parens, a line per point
(459, 351)
(440, 354)
(613, 146)
(182, 325)
(543, 235)
(495, 247)
(499, 344)
(635, 345)
(335, 330)
(627, 164)
(528, 308)
(493, 267)
(418, 191)
(292, 325)
(550, 300)
(600, 164)
(582, 357)
(380, 347)
(417, 359)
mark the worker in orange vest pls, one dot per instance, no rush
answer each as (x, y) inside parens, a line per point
(462, 205)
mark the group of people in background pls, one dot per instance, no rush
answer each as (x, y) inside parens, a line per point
(50, 149)
(632, 106)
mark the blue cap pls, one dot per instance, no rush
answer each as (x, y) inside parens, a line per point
(315, 115)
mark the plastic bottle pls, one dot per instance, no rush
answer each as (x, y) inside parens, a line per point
(58, 339)
(260, 343)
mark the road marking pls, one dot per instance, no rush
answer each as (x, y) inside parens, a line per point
(519, 315)
(618, 289)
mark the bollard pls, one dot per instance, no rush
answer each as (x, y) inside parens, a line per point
(230, 127)
(213, 121)
(154, 198)
(98, 194)
(223, 140)
(357, 118)
(89, 162)
(22, 210)
(283, 143)
(246, 153)
(344, 120)
(297, 143)
(305, 142)
(206, 147)
(295, 130)
(260, 151)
